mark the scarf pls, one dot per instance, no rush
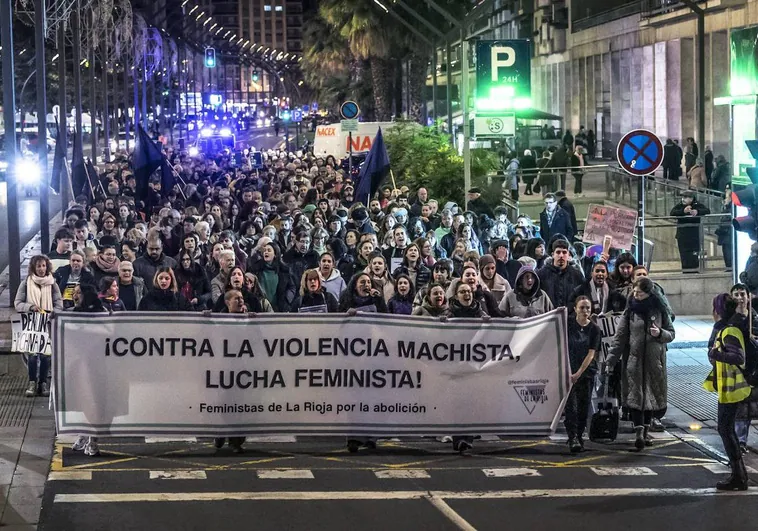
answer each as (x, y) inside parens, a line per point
(107, 267)
(642, 308)
(39, 292)
(600, 295)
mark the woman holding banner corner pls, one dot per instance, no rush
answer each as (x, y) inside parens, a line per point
(38, 293)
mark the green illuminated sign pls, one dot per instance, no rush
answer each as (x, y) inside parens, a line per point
(744, 68)
(503, 75)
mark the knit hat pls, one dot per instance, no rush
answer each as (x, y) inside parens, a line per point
(360, 214)
(486, 260)
(308, 209)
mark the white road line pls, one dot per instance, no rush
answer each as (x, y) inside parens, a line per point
(389, 495)
(718, 468)
(178, 474)
(402, 474)
(622, 471)
(284, 474)
(70, 475)
(271, 439)
(450, 513)
(510, 472)
(156, 440)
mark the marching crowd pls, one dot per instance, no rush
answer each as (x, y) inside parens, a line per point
(292, 237)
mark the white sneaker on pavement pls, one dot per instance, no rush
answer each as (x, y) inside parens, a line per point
(92, 449)
(80, 443)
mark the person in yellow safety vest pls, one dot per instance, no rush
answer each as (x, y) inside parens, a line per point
(727, 355)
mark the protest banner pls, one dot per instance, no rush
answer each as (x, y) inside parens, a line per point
(607, 323)
(142, 374)
(31, 333)
(618, 223)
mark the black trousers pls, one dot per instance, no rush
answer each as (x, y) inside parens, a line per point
(640, 418)
(688, 254)
(577, 407)
(727, 413)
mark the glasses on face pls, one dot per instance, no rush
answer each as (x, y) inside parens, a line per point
(464, 291)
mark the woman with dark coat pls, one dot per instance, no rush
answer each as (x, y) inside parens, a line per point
(434, 303)
(535, 248)
(164, 296)
(401, 302)
(255, 301)
(362, 295)
(109, 295)
(274, 278)
(313, 296)
(413, 267)
(640, 346)
(192, 281)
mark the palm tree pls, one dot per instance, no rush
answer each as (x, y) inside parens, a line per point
(368, 37)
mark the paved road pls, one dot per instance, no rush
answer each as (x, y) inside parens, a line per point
(311, 483)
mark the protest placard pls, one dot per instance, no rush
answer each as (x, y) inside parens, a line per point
(318, 374)
(618, 223)
(30, 333)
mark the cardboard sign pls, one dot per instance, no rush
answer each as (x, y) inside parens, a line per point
(618, 223)
(31, 333)
(607, 324)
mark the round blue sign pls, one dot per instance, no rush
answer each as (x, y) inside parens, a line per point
(640, 152)
(349, 110)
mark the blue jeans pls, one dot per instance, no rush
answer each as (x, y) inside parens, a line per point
(44, 367)
(742, 428)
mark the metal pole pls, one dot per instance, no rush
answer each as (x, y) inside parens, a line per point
(464, 108)
(701, 80)
(434, 85)
(40, 23)
(125, 114)
(449, 89)
(93, 105)
(350, 156)
(77, 58)
(9, 115)
(106, 114)
(641, 187)
(63, 115)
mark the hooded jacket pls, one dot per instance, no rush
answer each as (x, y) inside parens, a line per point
(335, 284)
(559, 284)
(522, 304)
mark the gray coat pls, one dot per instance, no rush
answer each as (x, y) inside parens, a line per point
(644, 380)
(21, 304)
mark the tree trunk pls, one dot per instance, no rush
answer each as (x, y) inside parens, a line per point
(417, 84)
(381, 72)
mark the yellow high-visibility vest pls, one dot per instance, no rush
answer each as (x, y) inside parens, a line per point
(725, 379)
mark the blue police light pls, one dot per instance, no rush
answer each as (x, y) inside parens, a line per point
(206, 132)
(210, 58)
(225, 131)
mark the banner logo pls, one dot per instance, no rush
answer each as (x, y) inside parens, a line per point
(531, 395)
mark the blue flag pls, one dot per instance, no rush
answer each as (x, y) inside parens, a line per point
(59, 161)
(374, 170)
(78, 172)
(167, 178)
(147, 158)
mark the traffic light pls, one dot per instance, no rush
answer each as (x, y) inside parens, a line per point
(747, 197)
(286, 115)
(256, 76)
(210, 58)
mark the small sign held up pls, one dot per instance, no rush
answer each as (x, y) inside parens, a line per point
(618, 223)
(31, 333)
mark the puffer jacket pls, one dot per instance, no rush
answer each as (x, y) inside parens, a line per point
(523, 304)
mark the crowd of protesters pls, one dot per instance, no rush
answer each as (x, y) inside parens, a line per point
(292, 237)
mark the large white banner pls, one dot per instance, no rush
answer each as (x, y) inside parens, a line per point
(144, 374)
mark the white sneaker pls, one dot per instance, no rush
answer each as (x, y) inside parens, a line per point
(80, 443)
(92, 449)
(31, 389)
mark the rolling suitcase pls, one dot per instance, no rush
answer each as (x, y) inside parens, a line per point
(604, 424)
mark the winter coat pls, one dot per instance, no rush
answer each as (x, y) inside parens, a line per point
(322, 298)
(499, 288)
(559, 284)
(158, 300)
(139, 289)
(688, 227)
(335, 284)
(644, 380)
(63, 273)
(482, 295)
(722, 176)
(198, 285)
(299, 262)
(400, 306)
(456, 309)
(561, 225)
(145, 267)
(428, 310)
(113, 306)
(697, 177)
(21, 304)
(750, 276)
(285, 289)
(523, 304)
(568, 206)
(421, 275)
(528, 168)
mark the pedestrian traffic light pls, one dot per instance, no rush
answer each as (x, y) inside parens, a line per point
(256, 76)
(210, 58)
(747, 198)
(286, 115)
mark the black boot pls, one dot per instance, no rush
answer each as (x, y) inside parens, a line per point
(574, 445)
(218, 442)
(647, 437)
(639, 439)
(353, 445)
(737, 480)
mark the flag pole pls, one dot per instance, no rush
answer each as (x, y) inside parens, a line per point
(91, 189)
(176, 173)
(394, 184)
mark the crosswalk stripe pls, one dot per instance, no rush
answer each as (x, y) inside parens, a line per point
(623, 471)
(718, 468)
(156, 440)
(178, 474)
(284, 474)
(70, 475)
(401, 474)
(510, 472)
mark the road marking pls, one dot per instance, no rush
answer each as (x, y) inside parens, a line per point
(718, 468)
(622, 471)
(402, 474)
(284, 474)
(390, 495)
(271, 439)
(450, 513)
(178, 474)
(510, 472)
(158, 440)
(70, 475)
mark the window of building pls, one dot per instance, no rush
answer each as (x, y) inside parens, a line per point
(279, 8)
(267, 8)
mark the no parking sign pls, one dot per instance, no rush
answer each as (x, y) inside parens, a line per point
(640, 152)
